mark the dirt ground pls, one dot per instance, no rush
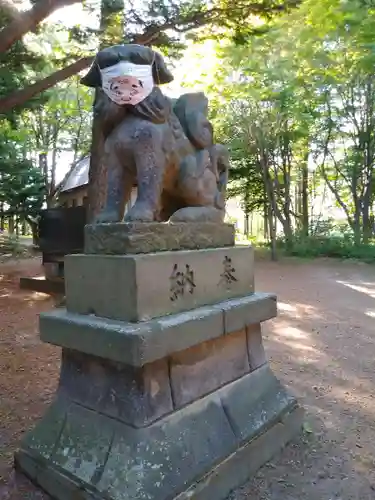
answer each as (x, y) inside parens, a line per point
(322, 346)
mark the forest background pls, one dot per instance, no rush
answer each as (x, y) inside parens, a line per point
(292, 95)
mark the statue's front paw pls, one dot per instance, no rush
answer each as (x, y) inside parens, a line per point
(106, 216)
(140, 213)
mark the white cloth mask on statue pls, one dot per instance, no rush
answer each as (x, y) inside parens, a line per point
(127, 83)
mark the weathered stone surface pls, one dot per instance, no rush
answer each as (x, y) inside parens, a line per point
(157, 464)
(257, 355)
(137, 396)
(84, 444)
(244, 463)
(141, 287)
(37, 446)
(203, 368)
(56, 483)
(134, 238)
(112, 460)
(46, 433)
(255, 401)
(247, 310)
(138, 344)
(61, 486)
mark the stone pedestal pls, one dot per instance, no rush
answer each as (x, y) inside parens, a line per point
(165, 392)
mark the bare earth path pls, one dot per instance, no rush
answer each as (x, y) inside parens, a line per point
(322, 346)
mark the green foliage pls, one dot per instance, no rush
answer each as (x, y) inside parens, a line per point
(23, 189)
(17, 66)
(22, 185)
(295, 105)
(165, 23)
(330, 246)
(63, 123)
(247, 183)
(296, 108)
(58, 121)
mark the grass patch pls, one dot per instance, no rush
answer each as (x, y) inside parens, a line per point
(334, 246)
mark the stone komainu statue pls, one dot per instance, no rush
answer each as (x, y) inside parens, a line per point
(164, 147)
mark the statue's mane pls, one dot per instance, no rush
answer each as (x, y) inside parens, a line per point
(155, 108)
(189, 110)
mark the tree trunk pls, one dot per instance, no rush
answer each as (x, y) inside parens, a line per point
(246, 224)
(34, 231)
(285, 215)
(272, 230)
(288, 233)
(19, 97)
(11, 224)
(357, 226)
(52, 180)
(2, 225)
(366, 216)
(43, 166)
(266, 234)
(298, 203)
(367, 226)
(28, 20)
(305, 197)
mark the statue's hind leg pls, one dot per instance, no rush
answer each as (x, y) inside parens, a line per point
(199, 192)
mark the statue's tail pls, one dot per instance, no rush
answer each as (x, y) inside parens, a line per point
(192, 110)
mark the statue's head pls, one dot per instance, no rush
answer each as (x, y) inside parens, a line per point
(127, 73)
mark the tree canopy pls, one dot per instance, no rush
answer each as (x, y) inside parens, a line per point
(146, 23)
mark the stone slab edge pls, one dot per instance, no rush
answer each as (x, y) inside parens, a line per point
(233, 472)
(244, 463)
(136, 344)
(135, 238)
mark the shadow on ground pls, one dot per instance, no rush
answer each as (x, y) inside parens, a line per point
(322, 347)
(28, 369)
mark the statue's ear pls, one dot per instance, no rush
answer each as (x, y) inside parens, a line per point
(93, 77)
(160, 72)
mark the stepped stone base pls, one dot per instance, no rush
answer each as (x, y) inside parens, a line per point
(139, 343)
(178, 407)
(165, 392)
(203, 450)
